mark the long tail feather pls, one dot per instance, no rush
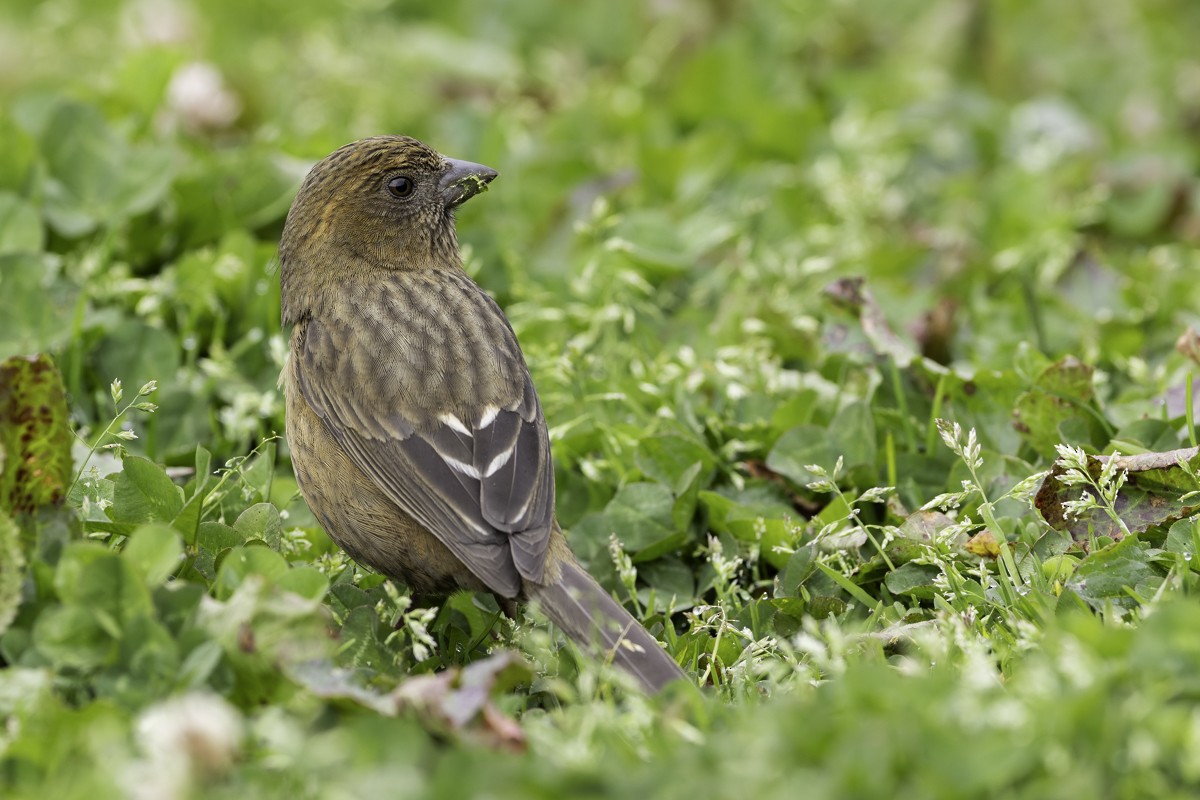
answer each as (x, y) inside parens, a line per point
(594, 620)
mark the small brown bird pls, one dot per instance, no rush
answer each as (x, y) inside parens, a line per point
(415, 431)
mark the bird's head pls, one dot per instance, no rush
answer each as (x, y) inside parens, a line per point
(381, 203)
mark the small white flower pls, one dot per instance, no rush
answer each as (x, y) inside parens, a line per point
(185, 738)
(198, 97)
(159, 21)
(1042, 132)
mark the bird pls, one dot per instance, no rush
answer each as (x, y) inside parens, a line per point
(415, 432)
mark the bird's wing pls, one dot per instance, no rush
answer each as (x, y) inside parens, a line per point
(476, 474)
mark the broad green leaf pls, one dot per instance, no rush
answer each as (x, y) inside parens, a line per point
(137, 352)
(304, 581)
(204, 471)
(912, 579)
(144, 493)
(109, 587)
(20, 226)
(853, 432)
(763, 521)
(769, 533)
(234, 189)
(687, 493)
(149, 655)
(74, 560)
(71, 636)
(651, 243)
(96, 178)
(670, 580)
(1183, 537)
(640, 516)
(1107, 576)
(1061, 395)
(155, 551)
(800, 565)
(18, 157)
(259, 471)
(39, 304)
(1144, 435)
(188, 520)
(176, 601)
(242, 562)
(261, 521)
(795, 411)
(1141, 213)
(667, 457)
(468, 622)
(361, 645)
(798, 448)
(199, 665)
(350, 596)
(217, 536)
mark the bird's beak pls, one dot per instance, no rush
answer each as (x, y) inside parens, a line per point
(462, 180)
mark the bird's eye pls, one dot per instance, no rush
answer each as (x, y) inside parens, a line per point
(401, 186)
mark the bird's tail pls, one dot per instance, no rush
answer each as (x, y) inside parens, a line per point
(594, 620)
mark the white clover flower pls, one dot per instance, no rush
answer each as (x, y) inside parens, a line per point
(159, 21)
(1042, 132)
(184, 738)
(199, 99)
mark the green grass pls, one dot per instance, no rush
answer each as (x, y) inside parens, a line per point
(823, 494)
